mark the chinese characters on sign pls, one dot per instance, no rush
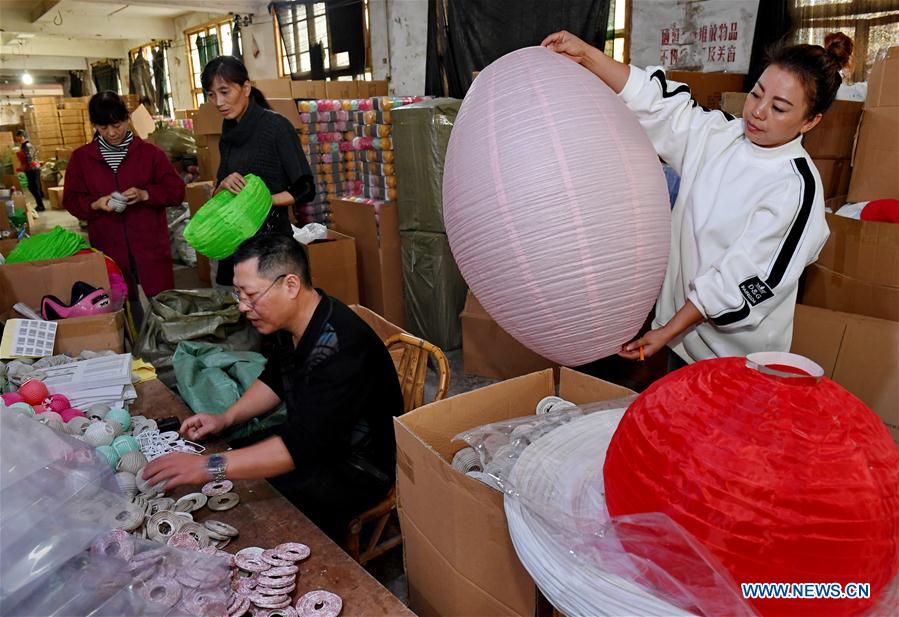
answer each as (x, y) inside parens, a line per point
(718, 43)
(693, 35)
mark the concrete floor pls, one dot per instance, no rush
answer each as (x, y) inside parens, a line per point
(387, 569)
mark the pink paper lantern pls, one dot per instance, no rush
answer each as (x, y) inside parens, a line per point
(556, 208)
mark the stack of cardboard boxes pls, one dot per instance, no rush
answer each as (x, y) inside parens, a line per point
(75, 122)
(42, 125)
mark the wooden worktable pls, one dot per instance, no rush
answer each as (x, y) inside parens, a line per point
(265, 518)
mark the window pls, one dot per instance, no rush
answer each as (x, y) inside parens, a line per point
(300, 27)
(151, 54)
(204, 43)
(872, 24)
(616, 34)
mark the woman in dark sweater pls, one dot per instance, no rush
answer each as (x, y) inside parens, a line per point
(255, 140)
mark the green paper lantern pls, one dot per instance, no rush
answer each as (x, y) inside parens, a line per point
(226, 220)
(51, 245)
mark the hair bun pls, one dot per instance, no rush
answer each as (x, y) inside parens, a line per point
(839, 47)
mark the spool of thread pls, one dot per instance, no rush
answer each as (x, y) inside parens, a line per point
(99, 434)
(108, 454)
(117, 414)
(466, 460)
(124, 444)
(22, 407)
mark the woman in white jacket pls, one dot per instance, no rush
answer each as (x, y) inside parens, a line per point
(749, 216)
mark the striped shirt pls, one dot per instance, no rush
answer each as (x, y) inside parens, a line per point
(113, 155)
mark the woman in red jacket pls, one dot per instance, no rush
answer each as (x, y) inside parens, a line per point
(117, 161)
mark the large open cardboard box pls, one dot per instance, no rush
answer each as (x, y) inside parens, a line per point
(29, 282)
(876, 157)
(857, 270)
(490, 351)
(378, 254)
(859, 353)
(333, 266)
(459, 557)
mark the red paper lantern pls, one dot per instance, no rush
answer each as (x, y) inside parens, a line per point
(33, 392)
(785, 479)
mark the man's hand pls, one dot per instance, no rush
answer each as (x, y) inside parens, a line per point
(651, 342)
(177, 469)
(233, 182)
(134, 195)
(103, 204)
(202, 425)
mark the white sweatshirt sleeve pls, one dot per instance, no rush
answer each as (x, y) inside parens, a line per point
(761, 270)
(674, 122)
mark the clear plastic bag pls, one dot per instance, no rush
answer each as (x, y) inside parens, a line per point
(549, 468)
(61, 553)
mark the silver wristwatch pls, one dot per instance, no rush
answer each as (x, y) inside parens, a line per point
(216, 465)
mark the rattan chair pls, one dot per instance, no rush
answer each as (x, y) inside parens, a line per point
(410, 356)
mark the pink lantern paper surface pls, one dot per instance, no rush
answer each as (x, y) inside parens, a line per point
(556, 208)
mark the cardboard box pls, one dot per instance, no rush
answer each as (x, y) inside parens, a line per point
(835, 175)
(707, 88)
(369, 89)
(490, 351)
(29, 282)
(184, 114)
(877, 150)
(64, 154)
(208, 120)
(196, 194)
(857, 352)
(333, 266)
(208, 158)
(288, 109)
(857, 270)
(6, 139)
(459, 557)
(55, 195)
(341, 90)
(304, 89)
(378, 255)
(274, 88)
(142, 122)
(7, 244)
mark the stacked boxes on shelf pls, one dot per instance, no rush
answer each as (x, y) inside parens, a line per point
(42, 125)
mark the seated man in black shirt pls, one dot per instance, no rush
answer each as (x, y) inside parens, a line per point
(335, 455)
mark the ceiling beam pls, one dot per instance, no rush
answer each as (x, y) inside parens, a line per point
(42, 8)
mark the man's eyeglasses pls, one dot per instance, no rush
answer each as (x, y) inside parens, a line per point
(251, 304)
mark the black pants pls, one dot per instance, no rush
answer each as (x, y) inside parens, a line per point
(34, 185)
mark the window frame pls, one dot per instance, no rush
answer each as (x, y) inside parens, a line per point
(331, 59)
(211, 27)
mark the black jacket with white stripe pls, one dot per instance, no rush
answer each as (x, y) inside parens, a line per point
(746, 222)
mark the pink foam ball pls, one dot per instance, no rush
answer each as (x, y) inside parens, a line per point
(12, 397)
(68, 414)
(33, 391)
(57, 403)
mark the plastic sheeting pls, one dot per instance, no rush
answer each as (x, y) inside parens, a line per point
(421, 133)
(58, 506)
(435, 289)
(550, 470)
(211, 379)
(205, 315)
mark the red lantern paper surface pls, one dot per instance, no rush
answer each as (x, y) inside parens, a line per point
(556, 208)
(782, 479)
